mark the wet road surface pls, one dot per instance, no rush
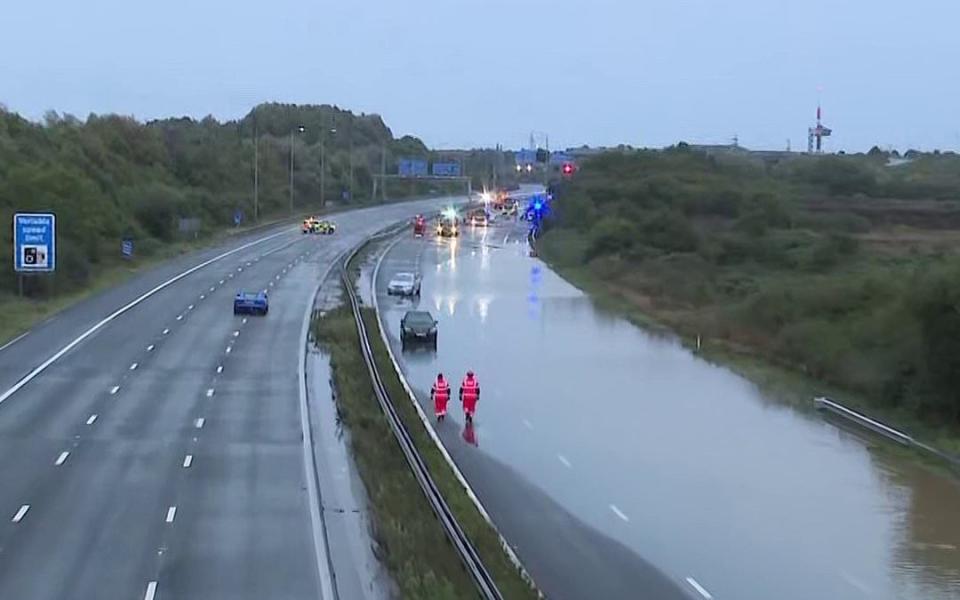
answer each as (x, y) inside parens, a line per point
(681, 463)
(162, 455)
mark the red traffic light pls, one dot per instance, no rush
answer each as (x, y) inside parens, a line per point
(567, 168)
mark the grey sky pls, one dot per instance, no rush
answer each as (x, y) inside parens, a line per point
(472, 72)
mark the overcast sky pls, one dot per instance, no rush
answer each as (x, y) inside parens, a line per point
(462, 73)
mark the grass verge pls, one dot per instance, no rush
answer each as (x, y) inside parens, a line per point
(412, 542)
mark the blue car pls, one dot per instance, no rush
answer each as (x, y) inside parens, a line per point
(254, 304)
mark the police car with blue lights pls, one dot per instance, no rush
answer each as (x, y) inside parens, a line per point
(251, 303)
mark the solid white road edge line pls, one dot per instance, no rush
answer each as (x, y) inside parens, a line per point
(99, 325)
(318, 526)
(507, 549)
(700, 589)
(14, 340)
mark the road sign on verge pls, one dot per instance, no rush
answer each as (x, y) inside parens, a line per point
(126, 247)
(34, 242)
(238, 217)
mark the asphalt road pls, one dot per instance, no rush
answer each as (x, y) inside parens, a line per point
(621, 465)
(161, 456)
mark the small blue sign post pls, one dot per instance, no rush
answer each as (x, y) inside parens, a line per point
(34, 242)
(126, 247)
(237, 218)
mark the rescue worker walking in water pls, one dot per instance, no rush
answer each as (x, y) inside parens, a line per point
(469, 395)
(440, 392)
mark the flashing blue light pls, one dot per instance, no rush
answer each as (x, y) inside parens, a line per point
(537, 206)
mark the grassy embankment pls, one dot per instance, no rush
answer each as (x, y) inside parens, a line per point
(412, 543)
(840, 273)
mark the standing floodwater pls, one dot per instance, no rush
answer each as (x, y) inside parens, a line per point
(683, 462)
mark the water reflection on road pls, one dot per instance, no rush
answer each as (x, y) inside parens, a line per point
(682, 461)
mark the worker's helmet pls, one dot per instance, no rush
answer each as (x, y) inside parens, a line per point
(439, 376)
(469, 373)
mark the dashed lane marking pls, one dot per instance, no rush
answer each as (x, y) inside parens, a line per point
(133, 367)
(151, 591)
(210, 393)
(219, 369)
(199, 423)
(62, 458)
(114, 389)
(564, 460)
(171, 514)
(123, 309)
(166, 331)
(187, 461)
(21, 513)
(150, 348)
(528, 424)
(92, 420)
(619, 513)
(700, 589)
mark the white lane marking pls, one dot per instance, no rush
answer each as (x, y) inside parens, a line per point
(249, 263)
(220, 369)
(151, 591)
(271, 284)
(564, 460)
(62, 458)
(150, 348)
(228, 349)
(320, 547)
(619, 513)
(213, 288)
(187, 461)
(202, 296)
(210, 393)
(230, 275)
(190, 307)
(700, 589)
(239, 269)
(14, 341)
(528, 424)
(166, 331)
(114, 389)
(20, 513)
(179, 317)
(221, 282)
(134, 366)
(171, 514)
(199, 423)
(92, 420)
(505, 239)
(244, 321)
(277, 277)
(264, 290)
(236, 333)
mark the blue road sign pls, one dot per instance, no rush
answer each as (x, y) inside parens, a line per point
(525, 157)
(446, 169)
(34, 242)
(126, 247)
(238, 217)
(412, 167)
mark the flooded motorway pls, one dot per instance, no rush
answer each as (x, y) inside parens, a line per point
(597, 440)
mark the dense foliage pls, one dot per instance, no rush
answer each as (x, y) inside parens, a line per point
(845, 267)
(110, 177)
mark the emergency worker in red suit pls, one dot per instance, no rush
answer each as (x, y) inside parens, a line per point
(469, 395)
(441, 395)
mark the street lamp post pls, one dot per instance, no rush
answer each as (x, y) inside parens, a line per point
(323, 166)
(301, 129)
